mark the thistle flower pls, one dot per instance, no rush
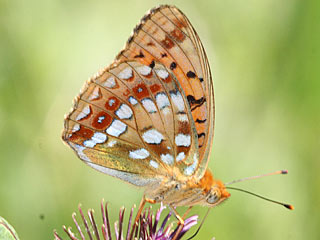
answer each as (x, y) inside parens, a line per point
(148, 228)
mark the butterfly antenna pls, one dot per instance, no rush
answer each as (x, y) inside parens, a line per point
(258, 176)
(195, 234)
(289, 206)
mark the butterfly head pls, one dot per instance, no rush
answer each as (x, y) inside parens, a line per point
(217, 194)
(214, 190)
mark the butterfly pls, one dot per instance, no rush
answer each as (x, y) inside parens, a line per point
(148, 118)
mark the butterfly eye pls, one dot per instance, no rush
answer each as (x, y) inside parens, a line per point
(212, 198)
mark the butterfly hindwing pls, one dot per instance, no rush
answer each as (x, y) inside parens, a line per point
(132, 121)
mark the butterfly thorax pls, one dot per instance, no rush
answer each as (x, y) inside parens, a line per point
(207, 191)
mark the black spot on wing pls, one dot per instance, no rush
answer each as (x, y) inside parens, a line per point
(182, 112)
(140, 55)
(152, 64)
(201, 135)
(191, 74)
(173, 65)
(194, 103)
(164, 55)
(200, 120)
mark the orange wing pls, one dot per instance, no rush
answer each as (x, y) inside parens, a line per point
(149, 116)
(166, 35)
(133, 122)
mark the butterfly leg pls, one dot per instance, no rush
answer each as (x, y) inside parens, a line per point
(187, 212)
(143, 202)
(180, 223)
(135, 223)
(180, 219)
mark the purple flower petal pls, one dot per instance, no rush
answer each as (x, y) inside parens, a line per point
(85, 223)
(93, 224)
(77, 225)
(129, 224)
(145, 229)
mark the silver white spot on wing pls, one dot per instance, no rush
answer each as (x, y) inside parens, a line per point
(180, 157)
(144, 70)
(152, 136)
(84, 113)
(162, 100)
(167, 158)
(165, 111)
(132, 100)
(124, 112)
(178, 101)
(154, 164)
(190, 169)
(112, 143)
(76, 127)
(101, 118)
(162, 73)
(96, 138)
(99, 137)
(183, 140)
(183, 117)
(111, 102)
(125, 73)
(95, 94)
(116, 128)
(110, 82)
(139, 154)
(149, 105)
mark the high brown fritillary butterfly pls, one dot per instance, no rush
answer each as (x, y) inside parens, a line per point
(148, 118)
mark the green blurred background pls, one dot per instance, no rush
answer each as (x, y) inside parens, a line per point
(264, 57)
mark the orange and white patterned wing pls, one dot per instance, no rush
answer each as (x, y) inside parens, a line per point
(133, 122)
(166, 35)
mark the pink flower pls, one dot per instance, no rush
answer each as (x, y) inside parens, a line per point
(149, 226)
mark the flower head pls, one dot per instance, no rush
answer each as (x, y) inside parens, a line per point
(149, 226)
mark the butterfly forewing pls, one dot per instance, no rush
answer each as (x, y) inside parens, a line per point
(149, 116)
(166, 35)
